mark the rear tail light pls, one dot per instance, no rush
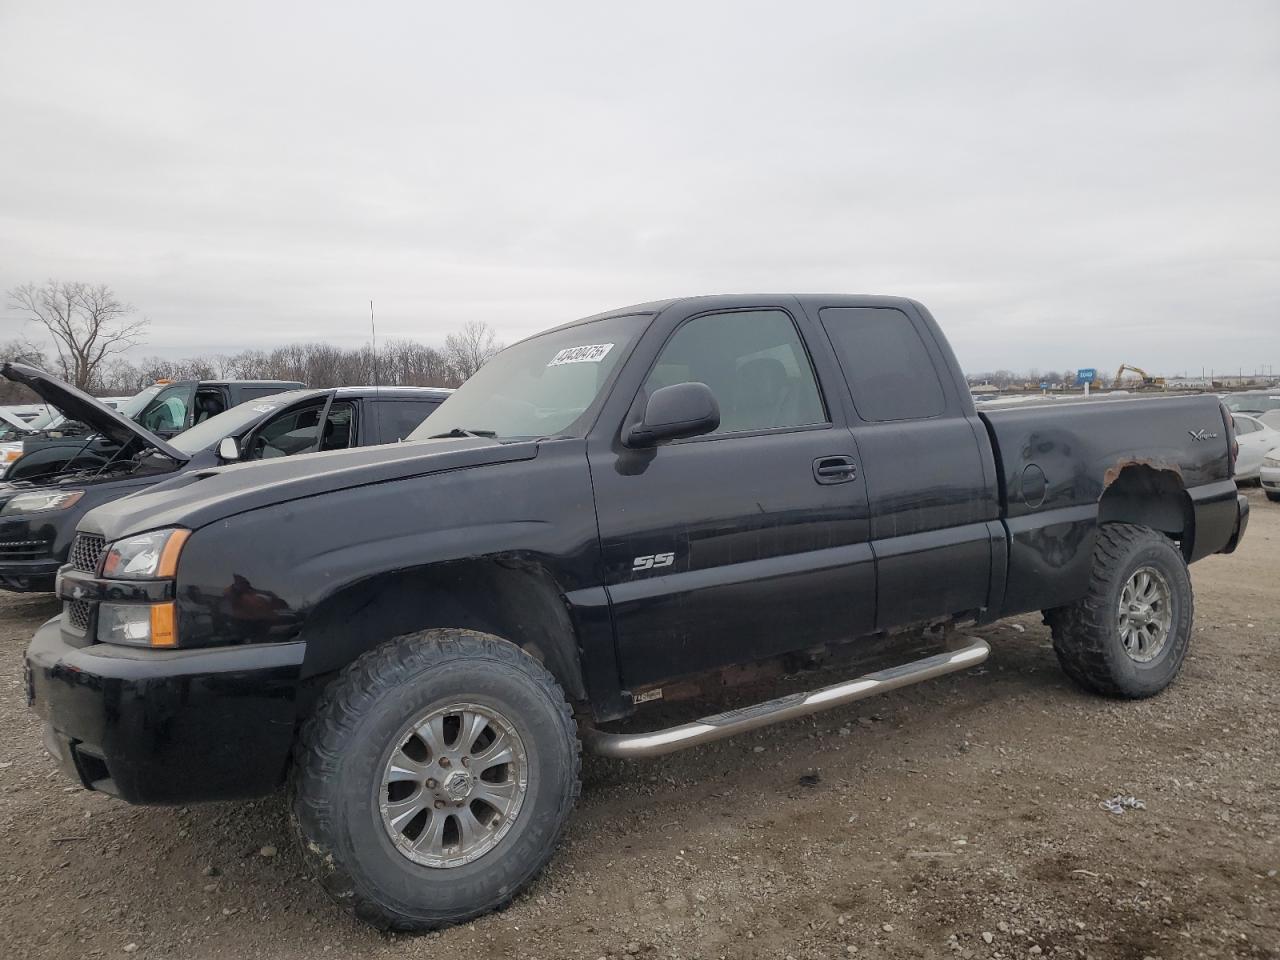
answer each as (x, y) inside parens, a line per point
(1233, 445)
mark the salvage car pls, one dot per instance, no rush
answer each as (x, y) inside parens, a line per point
(419, 639)
(163, 409)
(38, 519)
(1253, 402)
(1257, 439)
(1269, 475)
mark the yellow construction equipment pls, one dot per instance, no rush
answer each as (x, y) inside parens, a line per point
(1148, 382)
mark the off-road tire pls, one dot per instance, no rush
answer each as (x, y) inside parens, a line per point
(338, 763)
(1086, 634)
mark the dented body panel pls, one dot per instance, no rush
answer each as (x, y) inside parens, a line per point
(1058, 462)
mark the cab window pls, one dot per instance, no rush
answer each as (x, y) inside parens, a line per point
(396, 419)
(755, 365)
(298, 430)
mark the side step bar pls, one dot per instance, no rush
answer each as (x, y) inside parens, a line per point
(723, 725)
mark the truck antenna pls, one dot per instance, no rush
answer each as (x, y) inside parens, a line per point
(377, 384)
(373, 337)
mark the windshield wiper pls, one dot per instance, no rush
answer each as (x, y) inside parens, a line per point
(459, 432)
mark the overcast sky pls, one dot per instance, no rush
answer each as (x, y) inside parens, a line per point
(1064, 184)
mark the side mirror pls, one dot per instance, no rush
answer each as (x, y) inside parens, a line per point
(674, 412)
(228, 449)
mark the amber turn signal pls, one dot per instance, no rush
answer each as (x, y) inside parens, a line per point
(164, 627)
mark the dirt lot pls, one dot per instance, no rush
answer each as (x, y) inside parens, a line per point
(960, 817)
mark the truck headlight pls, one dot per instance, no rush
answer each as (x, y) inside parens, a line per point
(41, 501)
(1271, 460)
(146, 556)
(137, 624)
(10, 452)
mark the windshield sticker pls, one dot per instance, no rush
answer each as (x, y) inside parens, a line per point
(587, 353)
(265, 407)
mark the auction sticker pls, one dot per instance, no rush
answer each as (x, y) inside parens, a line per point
(587, 353)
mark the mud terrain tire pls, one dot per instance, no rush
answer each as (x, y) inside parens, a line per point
(1089, 635)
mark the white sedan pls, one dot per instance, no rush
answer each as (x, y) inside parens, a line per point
(1257, 439)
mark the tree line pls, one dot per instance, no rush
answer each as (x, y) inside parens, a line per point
(89, 329)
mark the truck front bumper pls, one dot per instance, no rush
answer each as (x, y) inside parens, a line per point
(166, 726)
(1269, 477)
(30, 554)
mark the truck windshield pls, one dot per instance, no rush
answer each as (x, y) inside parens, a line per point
(540, 386)
(138, 402)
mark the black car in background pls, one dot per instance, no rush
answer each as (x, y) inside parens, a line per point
(38, 520)
(164, 409)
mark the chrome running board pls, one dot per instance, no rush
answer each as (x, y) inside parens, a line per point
(732, 722)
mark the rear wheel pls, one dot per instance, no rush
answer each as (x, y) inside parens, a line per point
(1272, 495)
(434, 779)
(1128, 636)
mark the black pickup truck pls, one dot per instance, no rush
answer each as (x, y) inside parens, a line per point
(418, 638)
(38, 517)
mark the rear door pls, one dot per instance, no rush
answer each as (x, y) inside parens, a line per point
(744, 543)
(929, 472)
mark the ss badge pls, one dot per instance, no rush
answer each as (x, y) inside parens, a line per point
(653, 561)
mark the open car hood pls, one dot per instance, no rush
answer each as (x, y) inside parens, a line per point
(97, 416)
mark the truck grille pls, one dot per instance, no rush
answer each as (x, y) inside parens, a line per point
(86, 551)
(24, 549)
(79, 613)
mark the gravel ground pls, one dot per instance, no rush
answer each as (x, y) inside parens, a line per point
(957, 818)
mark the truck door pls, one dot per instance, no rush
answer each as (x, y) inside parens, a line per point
(740, 544)
(926, 458)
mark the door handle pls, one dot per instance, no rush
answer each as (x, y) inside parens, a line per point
(835, 469)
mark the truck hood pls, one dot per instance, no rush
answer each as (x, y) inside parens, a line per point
(94, 414)
(200, 497)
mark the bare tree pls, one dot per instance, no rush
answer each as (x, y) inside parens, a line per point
(467, 350)
(20, 351)
(87, 322)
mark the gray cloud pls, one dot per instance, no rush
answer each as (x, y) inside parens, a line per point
(1064, 184)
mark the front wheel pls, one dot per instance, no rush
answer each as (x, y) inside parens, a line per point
(1273, 496)
(1128, 636)
(434, 779)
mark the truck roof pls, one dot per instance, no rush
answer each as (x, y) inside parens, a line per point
(714, 300)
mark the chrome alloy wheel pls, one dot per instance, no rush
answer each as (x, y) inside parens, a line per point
(1145, 614)
(453, 785)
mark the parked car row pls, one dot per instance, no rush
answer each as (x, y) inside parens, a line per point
(116, 453)
(420, 638)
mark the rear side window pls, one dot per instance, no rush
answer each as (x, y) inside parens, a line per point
(396, 419)
(1244, 426)
(885, 362)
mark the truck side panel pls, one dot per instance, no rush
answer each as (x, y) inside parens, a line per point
(1058, 461)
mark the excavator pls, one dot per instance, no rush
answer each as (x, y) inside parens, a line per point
(1148, 382)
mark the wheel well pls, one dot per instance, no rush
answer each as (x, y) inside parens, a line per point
(509, 598)
(1152, 497)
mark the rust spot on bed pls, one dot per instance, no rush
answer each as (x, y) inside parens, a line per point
(1162, 466)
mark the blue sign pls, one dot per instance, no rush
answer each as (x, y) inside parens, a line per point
(1086, 375)
(1044, 384)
